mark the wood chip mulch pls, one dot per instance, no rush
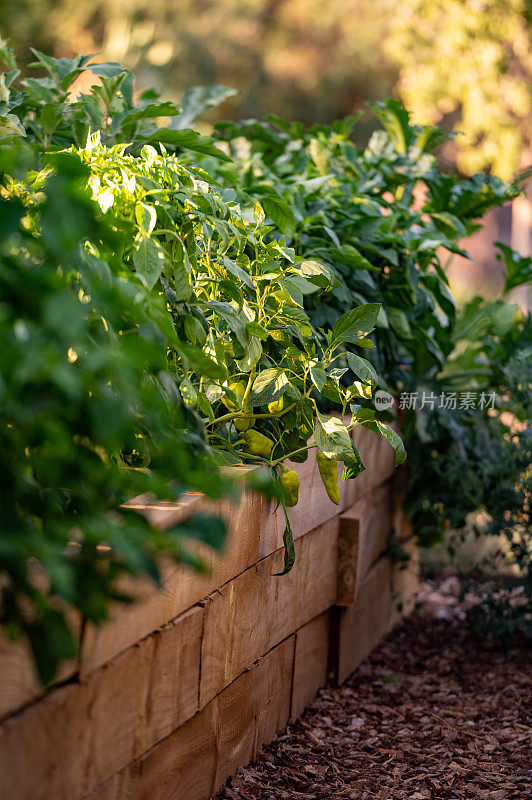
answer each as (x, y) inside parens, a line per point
(434, 713)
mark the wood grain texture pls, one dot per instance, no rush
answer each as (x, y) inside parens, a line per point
(80, 735)
(252, 709)
(122, 786)
(364, 532)
(310, 663)
(182, 766)
(386, 593)
(255, 530)
(44, 749)
(258, 609)
(19, 681)
(194, 761)
(181, 587)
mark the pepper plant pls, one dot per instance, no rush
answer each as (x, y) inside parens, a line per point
(386, 219)
(153, 328)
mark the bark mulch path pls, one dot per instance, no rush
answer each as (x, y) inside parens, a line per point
(432, 713)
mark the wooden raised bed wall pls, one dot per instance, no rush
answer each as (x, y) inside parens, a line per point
(179, 689)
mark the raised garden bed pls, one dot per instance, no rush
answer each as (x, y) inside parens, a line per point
(179, 689)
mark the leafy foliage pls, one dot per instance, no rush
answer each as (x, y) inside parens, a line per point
(89, 414)
(381, 218)
(154, 329)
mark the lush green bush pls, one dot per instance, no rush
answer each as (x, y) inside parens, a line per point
(220, 287)
(154, 329)
(86, 404)
(382, 218)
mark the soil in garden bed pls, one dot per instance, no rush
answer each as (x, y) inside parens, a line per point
(434, 712)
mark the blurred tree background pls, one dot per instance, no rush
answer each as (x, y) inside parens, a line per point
(463, 64)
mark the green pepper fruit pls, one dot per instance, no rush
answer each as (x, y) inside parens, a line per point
(239, 389)
(289, 480)
(328, 468)
(257, 444)
(276, 406)
(246, 421)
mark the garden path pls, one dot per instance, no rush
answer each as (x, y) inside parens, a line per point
(434, 713)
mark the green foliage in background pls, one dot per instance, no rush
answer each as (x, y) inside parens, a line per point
(295, 57)
(468, 64)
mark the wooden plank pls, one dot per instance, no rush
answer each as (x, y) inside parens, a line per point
(362, 625)
(255, 611)
(255, 531)
(364, 531)
(44, 749)
(182, 766)
(273, 693)
(20, 682)
(310, 662)
(122, 786)
(174, 677)
(111, 718)
(195, 760)
(385, 595)
(252, 709)
(143, 695)
(182, 587)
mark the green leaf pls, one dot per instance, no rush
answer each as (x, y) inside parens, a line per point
(390, 435)
(255, 329)
(149, 259)
(10, 125)
(317, 273)
(281, 214)
(149, 111)
(205, 528)
(333, 439)
(319, 152)
(188, 392)
(187, 139)
(252, 354)
(318, 376)
(107, 69)
(146, 217)
(395, 121)
(238, 271)
(258, 214)
(51, 641)
(362, 368)
(355, 324)
(518, 268)
(351, 257)
(198, 99)
(200, 361)
(4, 91)
(399, 322)
(269, 385)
